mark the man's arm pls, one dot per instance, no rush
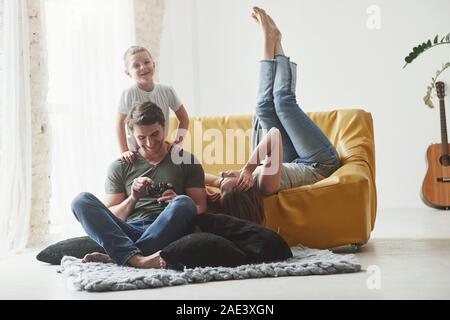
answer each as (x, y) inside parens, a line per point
(121, 205)
(198, 195)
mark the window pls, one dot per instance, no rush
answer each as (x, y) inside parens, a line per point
(1, 62)
(86, 40)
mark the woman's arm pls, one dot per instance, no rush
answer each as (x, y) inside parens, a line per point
(183, 126)
(270, 150)
(212, 180)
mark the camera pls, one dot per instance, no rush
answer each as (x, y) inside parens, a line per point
(155, 190)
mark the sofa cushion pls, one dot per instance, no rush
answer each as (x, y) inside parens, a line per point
(75, 247)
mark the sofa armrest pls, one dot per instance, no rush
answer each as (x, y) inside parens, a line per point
(342, 207)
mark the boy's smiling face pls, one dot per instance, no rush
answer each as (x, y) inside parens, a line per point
(141, 67)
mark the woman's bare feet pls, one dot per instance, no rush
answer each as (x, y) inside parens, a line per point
(146, 262)
(272, 35)
(96, 257)
(278, 47)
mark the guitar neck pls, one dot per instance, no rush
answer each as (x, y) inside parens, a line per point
(444, 139)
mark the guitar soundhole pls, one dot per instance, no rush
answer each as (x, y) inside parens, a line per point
(445, 160)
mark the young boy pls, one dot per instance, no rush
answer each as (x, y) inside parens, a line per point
(140, 66)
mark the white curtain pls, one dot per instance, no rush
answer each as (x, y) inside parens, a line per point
(86, 40)
(15, 130)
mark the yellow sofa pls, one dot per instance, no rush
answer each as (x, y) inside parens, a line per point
(337, 211)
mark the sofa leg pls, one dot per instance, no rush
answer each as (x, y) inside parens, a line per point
(350, 248)
(356, 247)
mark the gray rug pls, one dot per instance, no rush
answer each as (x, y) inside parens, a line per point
(112, 277)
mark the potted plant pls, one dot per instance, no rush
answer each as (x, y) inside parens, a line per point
(421, 48)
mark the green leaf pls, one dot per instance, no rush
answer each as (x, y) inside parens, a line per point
(429, 43)
(436, 39)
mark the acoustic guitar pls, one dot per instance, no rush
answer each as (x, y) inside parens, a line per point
(436, 185)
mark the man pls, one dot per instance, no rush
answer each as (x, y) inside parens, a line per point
(149, 203)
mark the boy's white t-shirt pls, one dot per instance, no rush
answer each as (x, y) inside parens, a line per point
(162, 95)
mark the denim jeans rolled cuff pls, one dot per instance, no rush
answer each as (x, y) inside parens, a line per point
(113, 234)
(286, 74)
(267, 70)
(123, 260)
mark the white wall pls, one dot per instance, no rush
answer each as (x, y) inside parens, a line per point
(210, 49)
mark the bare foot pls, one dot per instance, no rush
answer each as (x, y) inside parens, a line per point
(267, 24)
(272, 36)
(278, 35)
(146, 262)
(162, 263)
(96, 257)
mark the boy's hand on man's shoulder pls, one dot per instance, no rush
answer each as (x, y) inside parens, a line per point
(128, 156)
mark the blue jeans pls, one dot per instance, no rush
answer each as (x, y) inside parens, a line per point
(303, 141)
(122, 240)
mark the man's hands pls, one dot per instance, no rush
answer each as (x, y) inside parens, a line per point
(167, 196)
(139, 187)
(128, 156)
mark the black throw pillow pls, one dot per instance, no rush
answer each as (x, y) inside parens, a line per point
(75, 247)
(201, 250)
(257, 242)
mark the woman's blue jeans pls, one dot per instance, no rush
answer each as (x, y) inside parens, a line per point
(122, 240)
(303, 141)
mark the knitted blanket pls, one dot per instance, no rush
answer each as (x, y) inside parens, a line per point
(112, 277)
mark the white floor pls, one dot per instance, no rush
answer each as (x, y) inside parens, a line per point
(408, 257)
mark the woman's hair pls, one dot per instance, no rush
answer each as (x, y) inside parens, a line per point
(133, 50)
(144, 114)
(243, 205)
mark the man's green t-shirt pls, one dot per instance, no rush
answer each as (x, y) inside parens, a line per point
(120, 177)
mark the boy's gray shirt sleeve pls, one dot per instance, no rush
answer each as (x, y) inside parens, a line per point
(115, 178)
(125, 101)
(174, 101)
